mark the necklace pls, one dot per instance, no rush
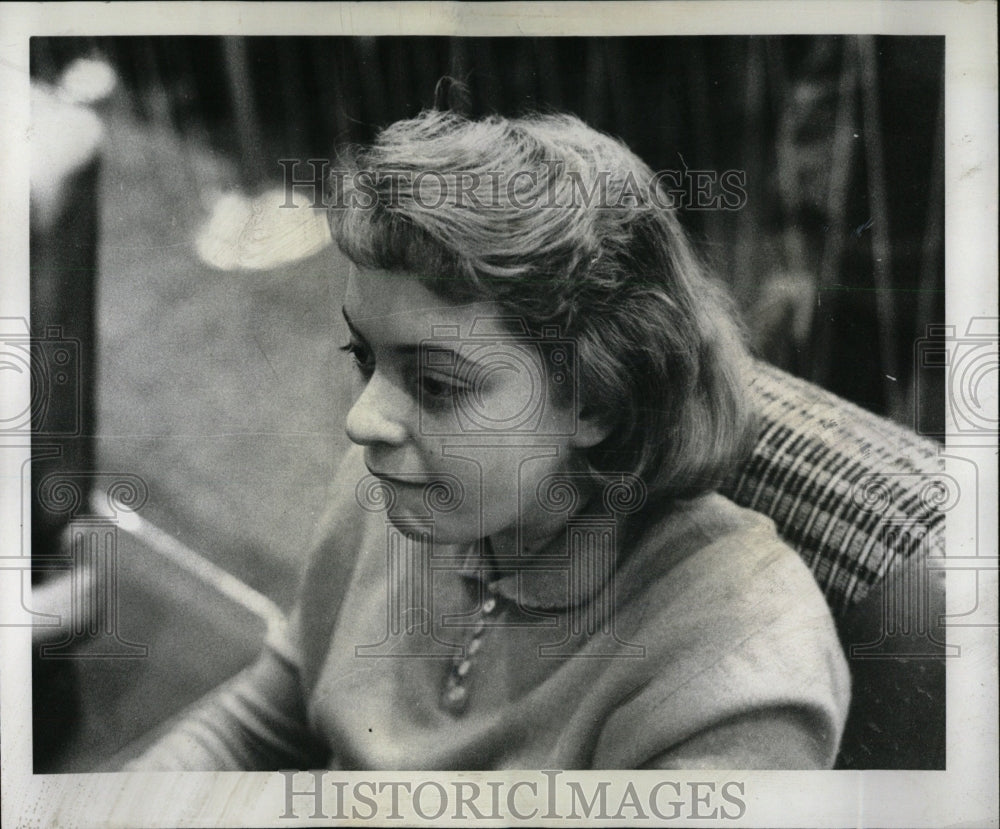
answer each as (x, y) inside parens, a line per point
(456, 692)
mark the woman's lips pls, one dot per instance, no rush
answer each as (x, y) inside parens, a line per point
(416, 479)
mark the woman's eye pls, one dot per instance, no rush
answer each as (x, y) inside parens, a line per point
(437, 389)
(362, 358)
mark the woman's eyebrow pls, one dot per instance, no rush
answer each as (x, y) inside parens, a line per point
(403, 348)
(445, 357)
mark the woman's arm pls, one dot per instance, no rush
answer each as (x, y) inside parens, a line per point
(779, 738)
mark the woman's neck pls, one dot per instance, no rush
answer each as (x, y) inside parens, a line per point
(543, 536)
(508, 544)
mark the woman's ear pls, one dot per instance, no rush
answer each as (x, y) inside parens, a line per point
(591, 428)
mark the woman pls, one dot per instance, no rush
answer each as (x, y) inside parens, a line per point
(524, 564)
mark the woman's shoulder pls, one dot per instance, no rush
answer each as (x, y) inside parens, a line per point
(707, 549)
(329, 568)
(672, 532)
(734, 626)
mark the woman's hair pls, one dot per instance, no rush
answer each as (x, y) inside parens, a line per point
(563, 226)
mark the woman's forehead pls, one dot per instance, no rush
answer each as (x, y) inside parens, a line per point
(398, 306)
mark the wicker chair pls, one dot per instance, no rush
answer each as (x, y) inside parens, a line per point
(863, 502)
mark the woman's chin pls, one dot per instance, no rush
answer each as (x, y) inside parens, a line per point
(413, 521)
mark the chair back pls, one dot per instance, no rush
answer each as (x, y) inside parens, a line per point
(853, 493)
(863, 501)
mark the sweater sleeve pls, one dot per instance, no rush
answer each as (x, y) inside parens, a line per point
(777, 738)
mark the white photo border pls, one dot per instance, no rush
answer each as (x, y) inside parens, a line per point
(964, 794)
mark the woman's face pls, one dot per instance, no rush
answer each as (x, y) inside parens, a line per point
(446, 392)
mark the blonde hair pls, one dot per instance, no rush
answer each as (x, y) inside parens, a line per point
(585, 243)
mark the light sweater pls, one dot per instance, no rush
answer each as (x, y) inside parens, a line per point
(706, 645)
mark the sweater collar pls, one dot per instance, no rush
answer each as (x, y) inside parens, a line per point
(561, 577)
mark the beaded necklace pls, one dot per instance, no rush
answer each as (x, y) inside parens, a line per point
(456, 692)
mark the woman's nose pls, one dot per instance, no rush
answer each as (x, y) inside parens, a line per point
(378, 415)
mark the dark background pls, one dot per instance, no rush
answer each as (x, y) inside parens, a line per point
(782, 109)
(223, 389)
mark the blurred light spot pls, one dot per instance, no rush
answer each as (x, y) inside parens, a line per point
(63, 138)
(785, 307)
(86, 81)
(255, 234)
